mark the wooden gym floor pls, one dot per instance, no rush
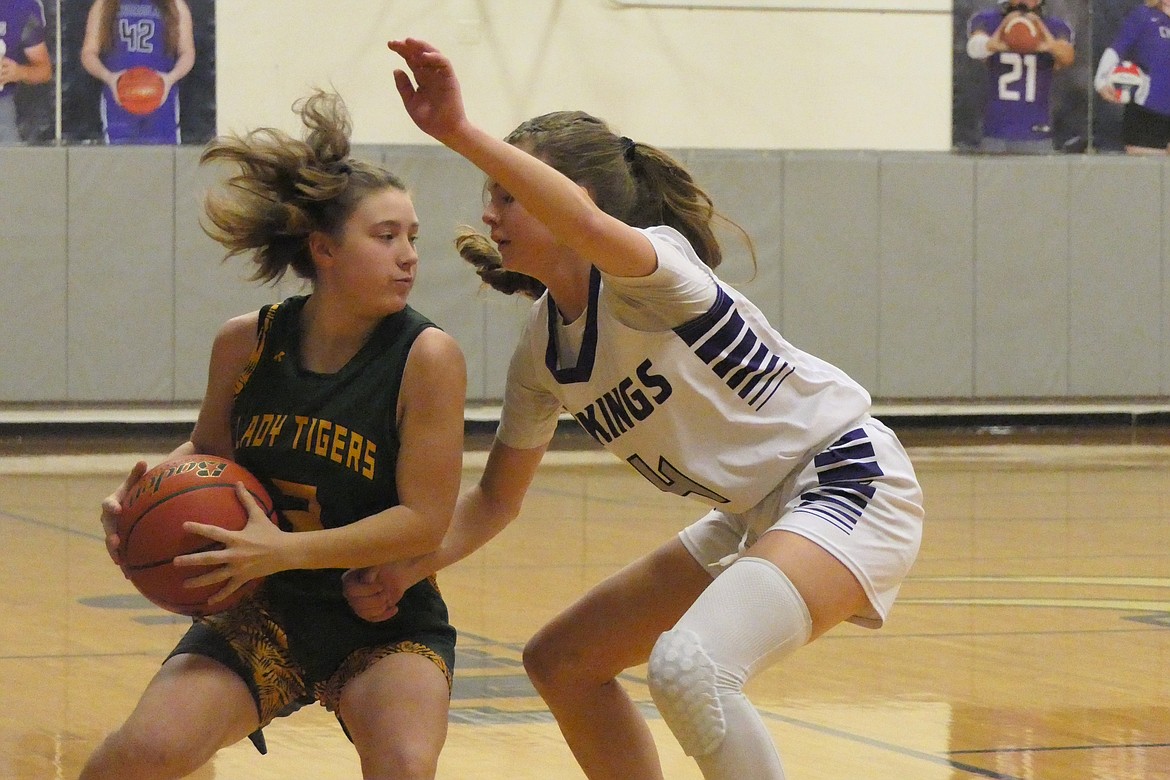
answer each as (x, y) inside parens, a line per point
(1032, 639)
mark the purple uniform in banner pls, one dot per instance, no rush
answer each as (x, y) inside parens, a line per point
(22, 26)
(140, 40)
(1018, 85)
(1144, 38)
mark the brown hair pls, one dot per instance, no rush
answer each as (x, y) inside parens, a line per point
(287, 189)
(637, 183)
(107, 30)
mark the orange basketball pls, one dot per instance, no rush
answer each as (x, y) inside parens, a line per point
(140, 90)
(1022, 34)
(199, 488)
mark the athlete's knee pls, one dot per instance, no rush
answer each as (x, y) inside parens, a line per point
(401, 761)
(685, 683)
(552, 663)
(749, 618)
(128, 753)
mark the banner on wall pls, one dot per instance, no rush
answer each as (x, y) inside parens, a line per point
(1108, 16)
(28, 42)
(1022, 103)
(877, 6)
(138, 71)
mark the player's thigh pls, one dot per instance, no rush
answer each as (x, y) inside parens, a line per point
(194, 704)
(396, 711)
(830, 590)
(615, 625)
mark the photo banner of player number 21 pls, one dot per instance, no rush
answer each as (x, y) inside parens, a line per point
(1032, 76)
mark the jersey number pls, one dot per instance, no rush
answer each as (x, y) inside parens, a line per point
(298, 504)
(1023, 68)
(138, 36)
(668, 479)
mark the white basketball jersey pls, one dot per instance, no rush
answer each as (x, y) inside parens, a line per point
(719, 409)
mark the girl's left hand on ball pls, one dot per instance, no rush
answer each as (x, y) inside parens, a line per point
(252, 552)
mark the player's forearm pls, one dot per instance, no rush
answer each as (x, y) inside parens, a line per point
(548, 195)
(476, 522)
(1062, 53)
(95, 67)
(34, 72)
(396, 534)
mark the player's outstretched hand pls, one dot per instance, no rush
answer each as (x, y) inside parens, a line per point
(433, 99)
(112, 508)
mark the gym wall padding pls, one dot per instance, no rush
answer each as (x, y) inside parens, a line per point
(928, 276)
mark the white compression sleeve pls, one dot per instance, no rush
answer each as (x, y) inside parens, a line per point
(748, 618)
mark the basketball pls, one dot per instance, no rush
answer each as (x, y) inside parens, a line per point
(1022, 34)
(140, 90)
(200, 488)
(1128, 81)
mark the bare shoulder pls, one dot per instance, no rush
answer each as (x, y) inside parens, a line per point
(436, 346)
(436, 360)
(236, 338)
(434, 387)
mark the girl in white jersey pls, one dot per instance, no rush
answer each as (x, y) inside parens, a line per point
(815, 514)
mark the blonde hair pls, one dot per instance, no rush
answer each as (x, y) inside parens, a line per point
(287, 189)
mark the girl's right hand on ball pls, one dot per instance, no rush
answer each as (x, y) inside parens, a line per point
(112, 508)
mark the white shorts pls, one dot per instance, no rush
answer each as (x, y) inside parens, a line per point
(858, 499)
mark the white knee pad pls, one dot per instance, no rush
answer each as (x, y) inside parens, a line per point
(748, 618)
(682, 683)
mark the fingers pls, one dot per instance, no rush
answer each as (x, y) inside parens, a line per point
(404, 85)
(135, 474)
(212, 532)
(357, 591)
(419, 55)
(209, 577)
(249, 502)
(373, 610)
(112, 508)
(221, 594)
(113, 502)
(113, 547)
(378, 617)
(366, 596)
(409, 48)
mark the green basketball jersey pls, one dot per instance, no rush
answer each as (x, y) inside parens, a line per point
(325, 445)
